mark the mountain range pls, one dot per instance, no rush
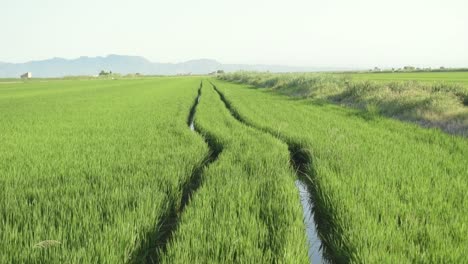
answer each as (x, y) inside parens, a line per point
(59, 67)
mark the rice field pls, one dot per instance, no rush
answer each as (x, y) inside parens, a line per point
(89, 170)
(385, 191)
(200, 170)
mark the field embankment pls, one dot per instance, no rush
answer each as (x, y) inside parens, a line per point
(460, 77)
(390, 192)
(435, 102)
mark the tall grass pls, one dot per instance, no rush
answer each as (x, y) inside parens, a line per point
(434, 104)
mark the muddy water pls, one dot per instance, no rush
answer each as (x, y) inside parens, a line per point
(315, 246)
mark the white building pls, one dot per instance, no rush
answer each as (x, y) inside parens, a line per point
(27, 75)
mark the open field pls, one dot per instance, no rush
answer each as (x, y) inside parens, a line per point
(9, 80)
(199, 170)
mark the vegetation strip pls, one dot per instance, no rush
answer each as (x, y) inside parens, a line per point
(172, 221)
(423, 98)
(300, 162)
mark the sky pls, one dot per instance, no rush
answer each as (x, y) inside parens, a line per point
(326, 33)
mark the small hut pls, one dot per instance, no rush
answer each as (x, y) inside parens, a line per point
(27, 75)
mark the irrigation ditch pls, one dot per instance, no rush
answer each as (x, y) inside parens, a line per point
(320, 228)
(167, 225)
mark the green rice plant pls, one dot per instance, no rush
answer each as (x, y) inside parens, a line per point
(90, 171)
(385, 191)
(247, 209)
(108, 171)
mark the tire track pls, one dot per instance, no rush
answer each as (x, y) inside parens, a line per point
(317, 218)
(167, 225)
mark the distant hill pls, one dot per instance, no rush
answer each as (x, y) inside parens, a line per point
(59, 67)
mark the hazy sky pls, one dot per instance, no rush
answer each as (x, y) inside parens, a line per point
(358, 33)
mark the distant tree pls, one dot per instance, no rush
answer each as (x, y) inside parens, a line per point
(409, 68)
(220, 71)
(104, 73)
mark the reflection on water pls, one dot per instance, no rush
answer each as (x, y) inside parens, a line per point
(192, 117)
(315, 249)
